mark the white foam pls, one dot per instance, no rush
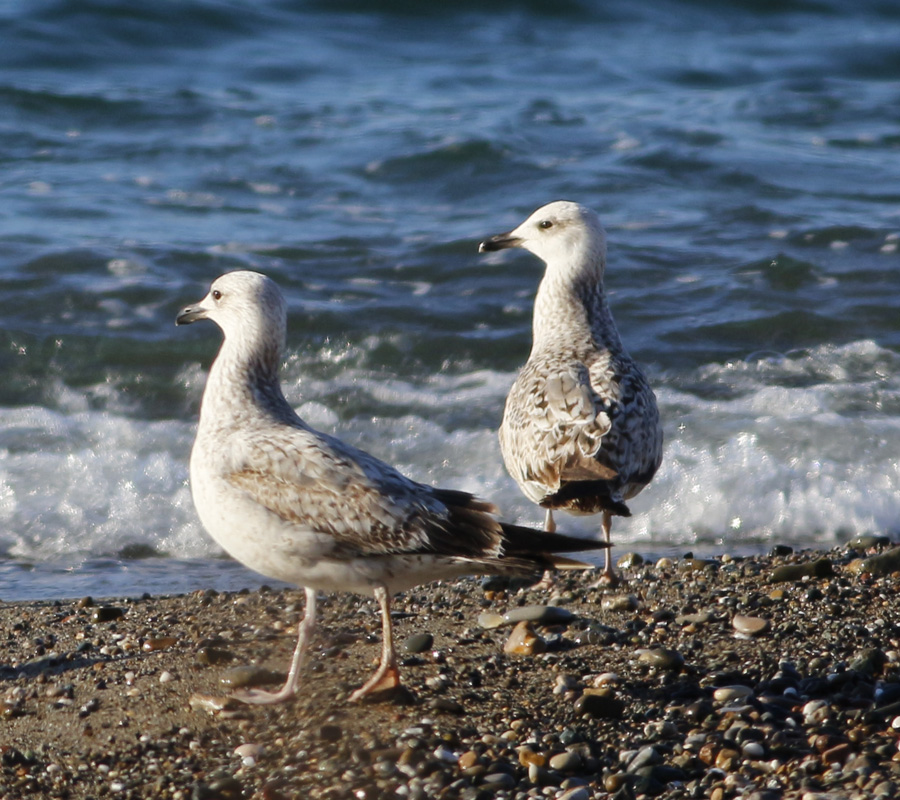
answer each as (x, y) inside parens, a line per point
(88, 483)
(799, 449)
(794, 448)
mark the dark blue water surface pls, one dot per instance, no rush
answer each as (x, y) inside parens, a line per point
(744, 157)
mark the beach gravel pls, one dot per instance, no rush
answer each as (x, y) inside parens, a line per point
(710, 681)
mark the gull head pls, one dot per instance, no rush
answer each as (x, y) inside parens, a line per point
(246, 305)
(559, 233)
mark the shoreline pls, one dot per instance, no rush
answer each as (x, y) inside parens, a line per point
(765, 677)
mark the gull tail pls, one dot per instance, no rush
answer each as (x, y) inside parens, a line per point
(544, 549)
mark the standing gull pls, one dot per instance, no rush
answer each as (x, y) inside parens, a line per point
(581, 429)
(305, 508)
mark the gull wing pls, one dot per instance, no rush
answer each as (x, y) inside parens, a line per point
(367, 507)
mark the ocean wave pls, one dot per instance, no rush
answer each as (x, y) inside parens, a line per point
(798, 448)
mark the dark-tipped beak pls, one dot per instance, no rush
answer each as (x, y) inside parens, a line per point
(499, 242)
(190, 314)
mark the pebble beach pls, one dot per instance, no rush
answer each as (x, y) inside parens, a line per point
(763, 677)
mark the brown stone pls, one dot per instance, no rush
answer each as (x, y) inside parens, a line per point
(527, 757)
(523, 641)
(726, 759)
(839, 753)
(707, 753)
(162, 643)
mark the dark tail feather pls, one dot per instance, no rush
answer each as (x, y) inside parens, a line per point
(522, 541)
(473, 528)
(587, 496)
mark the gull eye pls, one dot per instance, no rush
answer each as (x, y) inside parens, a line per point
(217, 295)
(546, 223)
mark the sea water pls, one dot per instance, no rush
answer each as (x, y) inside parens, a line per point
(745, 161)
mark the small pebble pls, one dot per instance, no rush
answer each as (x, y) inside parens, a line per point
(629, 560)
(576, 793)
(645, 757)
(750, 626)
(490, 620)
(661, 658)
(600, 706)
(418, 643)
(566, 762)
(162, 643)
(212, 704)
(330, 733)
(524, 641)
(250, 675)
(731, 694)
(446, 705)
(868, 541)
(620, 602)
(882, 564)
(107, 614)
(753, 750)
(211, 656)
(542, 615)
(499, 780)
(527, 757)
(820, 568)
(249, 750)
(605, 679)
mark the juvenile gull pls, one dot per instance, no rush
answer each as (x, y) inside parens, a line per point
(306, 508)
(581, 429)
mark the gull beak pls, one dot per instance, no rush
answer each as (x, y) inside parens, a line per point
(190, 314)
(501, 241)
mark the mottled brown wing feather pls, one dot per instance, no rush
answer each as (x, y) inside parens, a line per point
(323, 484)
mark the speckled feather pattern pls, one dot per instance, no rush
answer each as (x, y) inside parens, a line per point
(305, 507)
(581, 429)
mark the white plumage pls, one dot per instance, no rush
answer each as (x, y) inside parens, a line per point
(304, 507)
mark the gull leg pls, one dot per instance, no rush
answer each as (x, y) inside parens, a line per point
(307, 626)
(549, 522)
(387, 676)
(547, 579)
(609, 575)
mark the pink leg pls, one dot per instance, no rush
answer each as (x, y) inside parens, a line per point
(547, 579)
(549, 522)
(307, 626)
(609, 574)
(387, 676)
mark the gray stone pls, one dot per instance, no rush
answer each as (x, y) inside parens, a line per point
(542, 615)
(578, 793)
(645, 757)
(820, 568)
(629, 560)
(566, 762)
(661, 658)
(729, 694)
(242, 677)
(499, 780)
(750, 626)
(600, 706)
(418, 643)
(620, 602)
(883, 564)
(867, 541)
(700, 618)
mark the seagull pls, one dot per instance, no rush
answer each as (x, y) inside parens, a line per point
(303, 507)
(581, 429)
